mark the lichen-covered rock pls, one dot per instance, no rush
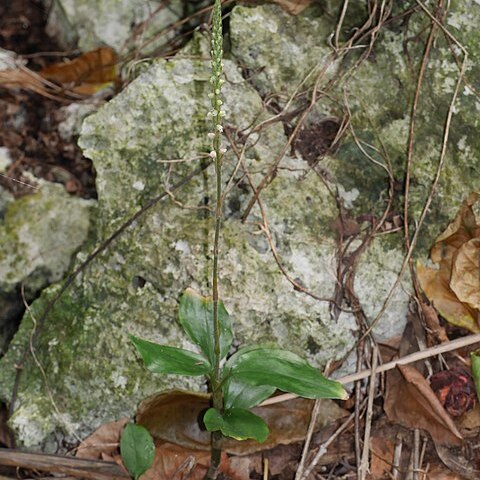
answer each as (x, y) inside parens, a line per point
(296, 44)
(38, 235)
(154, 132)
(93, 23)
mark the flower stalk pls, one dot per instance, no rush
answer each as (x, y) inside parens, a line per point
(216, 153)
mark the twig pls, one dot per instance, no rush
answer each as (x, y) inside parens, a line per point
(306, 446)
(368, 421)
(416, 453)
(397, 458)
(411, 358)
(78, 467)
(428, 202)
(324, 446)
(411, 140)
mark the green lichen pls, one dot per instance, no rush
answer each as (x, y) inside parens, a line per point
(95, 23)
(40, 232)
(283, 51)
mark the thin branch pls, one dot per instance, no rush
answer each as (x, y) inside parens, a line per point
(411, 358)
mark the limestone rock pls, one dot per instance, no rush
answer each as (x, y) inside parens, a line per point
(93, 23)
(38, 235)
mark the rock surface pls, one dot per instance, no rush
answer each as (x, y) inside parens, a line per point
(94, 23)
(136, 142)
(38, 235)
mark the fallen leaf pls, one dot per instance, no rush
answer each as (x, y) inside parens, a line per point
(454, 287)
(471, 420)
(435, 285)
(175, 417)
(26, 79)
(294, 7)
(173, 462)
(465, 280)
(438, 472)
(456, 461)
(462, 229)
(435, 331)
(411, 402)
(102, 442)
(381, 461)
(85, 74)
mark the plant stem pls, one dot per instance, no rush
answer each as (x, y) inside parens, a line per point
(216, 154)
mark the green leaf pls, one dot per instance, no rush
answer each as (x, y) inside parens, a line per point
(475, 359)
(196, 318)
(164, 359)
(245, 395)
(281, 369)
(137, 449)
(237, 423)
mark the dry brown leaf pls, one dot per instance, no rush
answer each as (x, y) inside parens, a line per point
(434, 284)
(294, 7)
(438, 472)
(103, 442)
(462, 229)
(432, 322)
(382, 451)
(26, 79)
(454, 288)
(471, 420)
(456, 461)
(177, 463)
(465, 280)
(87, 73)
(174, 417)
(411, 402)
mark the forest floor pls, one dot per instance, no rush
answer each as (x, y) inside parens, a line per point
(402, 418)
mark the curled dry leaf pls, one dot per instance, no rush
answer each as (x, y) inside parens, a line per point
(435, 332)
(174, 417)
(412, 403)
(87, 73)
(465, 281)
(103, 441)
(454, 287)
(294, 7)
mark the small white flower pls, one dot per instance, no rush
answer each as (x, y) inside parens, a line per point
(221, 113)
(219, 128)
(211, 135)
(213, 154)
(223, 150)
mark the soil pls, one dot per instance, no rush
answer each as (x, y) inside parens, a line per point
(30, 121)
